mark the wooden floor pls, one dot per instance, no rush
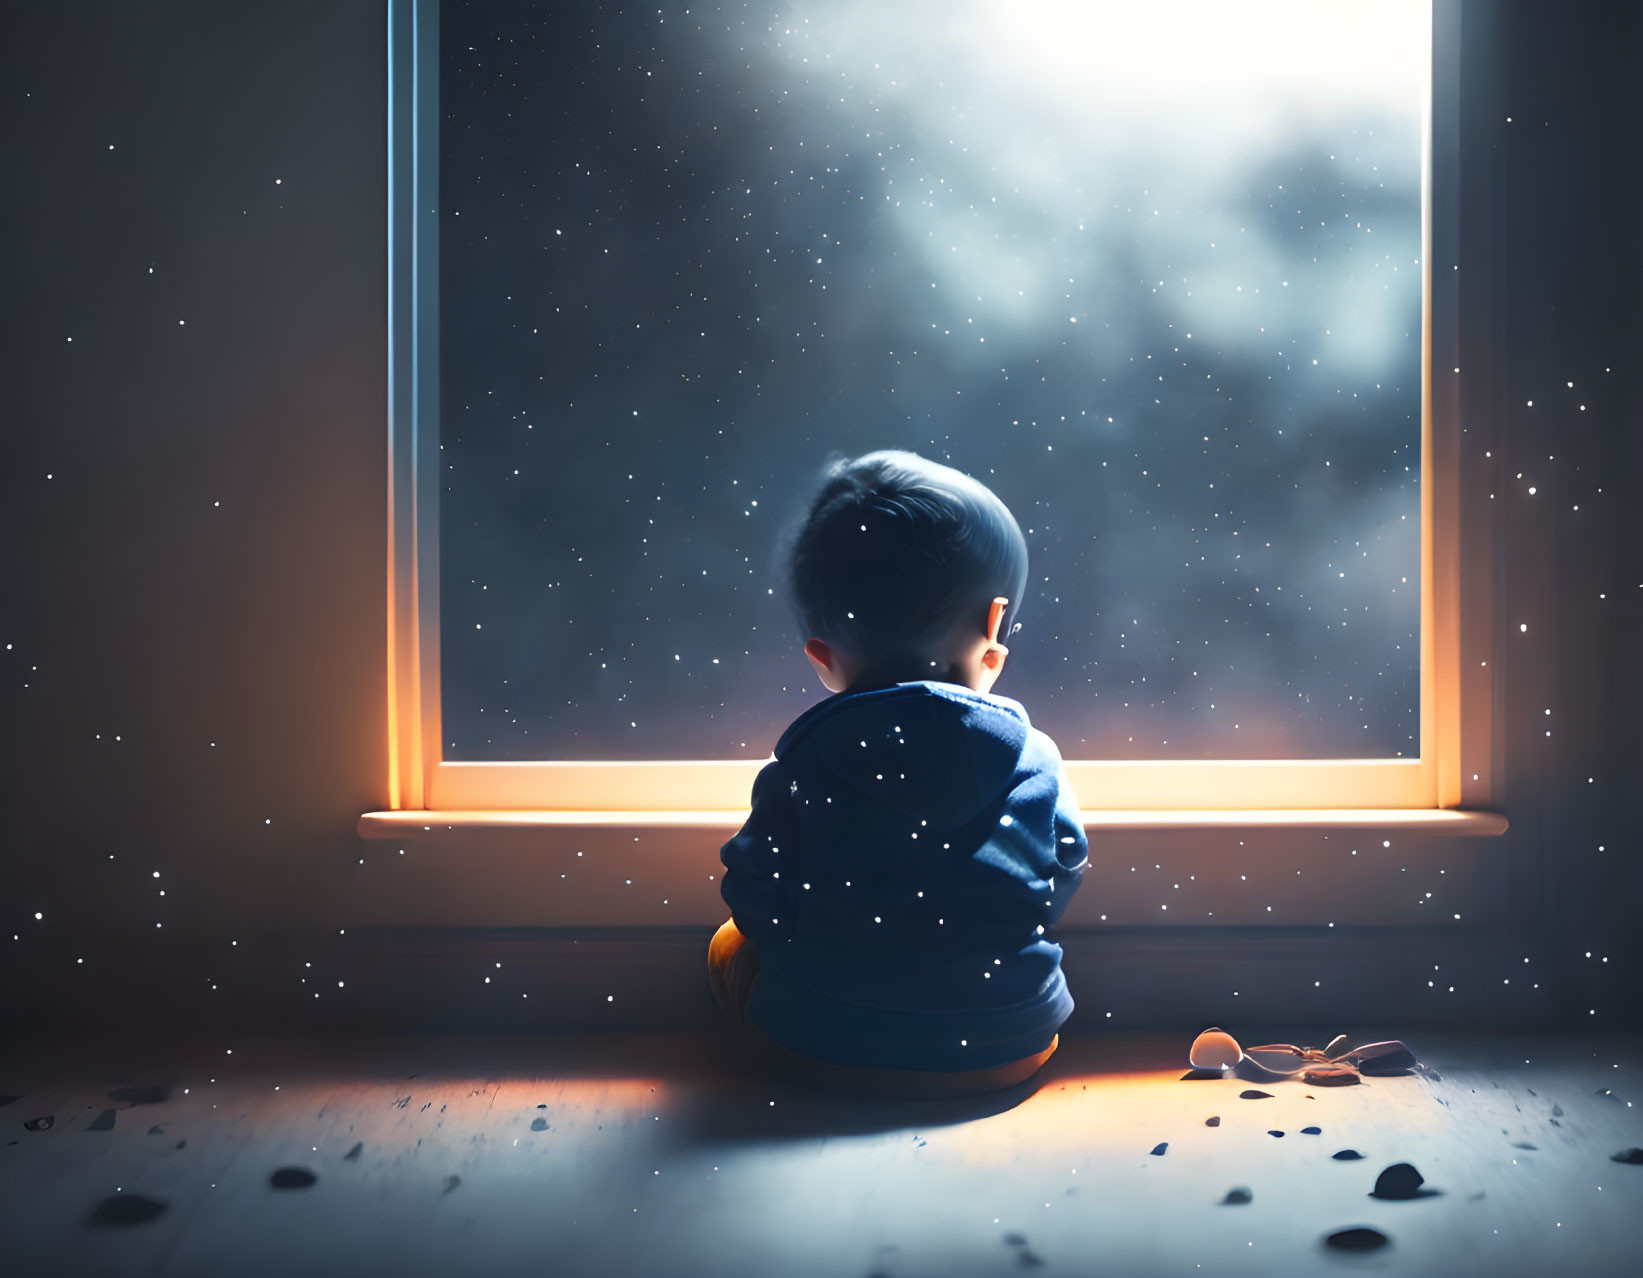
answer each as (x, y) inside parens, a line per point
(656, 1154)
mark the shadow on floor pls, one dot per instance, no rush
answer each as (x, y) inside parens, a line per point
(731, 1095)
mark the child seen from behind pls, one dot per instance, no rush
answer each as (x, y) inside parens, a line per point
(914, 835)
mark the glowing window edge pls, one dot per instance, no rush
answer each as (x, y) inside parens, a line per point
(1458, 514)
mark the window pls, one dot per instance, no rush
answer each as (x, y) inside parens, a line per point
(1165, 277)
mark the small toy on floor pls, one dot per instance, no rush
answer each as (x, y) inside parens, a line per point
(1216, 1051)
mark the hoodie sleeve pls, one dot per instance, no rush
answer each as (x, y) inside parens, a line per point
(1072, 846)
(761, 901)
(1031, 862)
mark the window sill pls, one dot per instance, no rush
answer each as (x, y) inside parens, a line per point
(412, 823)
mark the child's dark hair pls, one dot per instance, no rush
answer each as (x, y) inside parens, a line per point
(897, 554)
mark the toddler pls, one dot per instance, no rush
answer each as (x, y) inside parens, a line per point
(914, 835)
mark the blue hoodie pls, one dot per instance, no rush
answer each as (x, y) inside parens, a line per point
(907, 848)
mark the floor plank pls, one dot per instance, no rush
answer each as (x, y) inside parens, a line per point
(662, 1154)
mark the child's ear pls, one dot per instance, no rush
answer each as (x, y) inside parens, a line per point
(820, 654)
(994, 657)
(826, 664)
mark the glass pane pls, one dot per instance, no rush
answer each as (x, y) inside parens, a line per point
(1151, 272)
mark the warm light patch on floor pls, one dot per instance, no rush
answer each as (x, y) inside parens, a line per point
(639, 1154)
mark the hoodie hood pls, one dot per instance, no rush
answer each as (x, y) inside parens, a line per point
(938, 752)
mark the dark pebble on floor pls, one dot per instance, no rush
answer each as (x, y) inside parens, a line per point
(1345, 1155)
(1400, 1180)
(1634, 1156)
(1029, 1258)
(352, 1156)
(1015, 1240)
(104, 1122)
(1160, 1147)
(451, 1182)
(292, 1178)
(126, 1209)
(1253, 1094)
(1523, 1144)
(539, 1124)
(1312, 1131)
(1274, 1133)
(1237, 1197)
(1361, 1238)
(1213, 1122)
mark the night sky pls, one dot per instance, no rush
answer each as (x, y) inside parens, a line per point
(1152, 273)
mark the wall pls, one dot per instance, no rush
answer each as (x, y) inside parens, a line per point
(193, 596)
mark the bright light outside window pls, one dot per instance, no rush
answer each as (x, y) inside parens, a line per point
(1150, 271)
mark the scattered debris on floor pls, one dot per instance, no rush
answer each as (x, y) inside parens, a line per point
(1358, 1238)
(1400, 1181)
(1191, 1177)
(127, 1209)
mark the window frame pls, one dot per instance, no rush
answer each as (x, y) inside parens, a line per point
(1454, 769)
